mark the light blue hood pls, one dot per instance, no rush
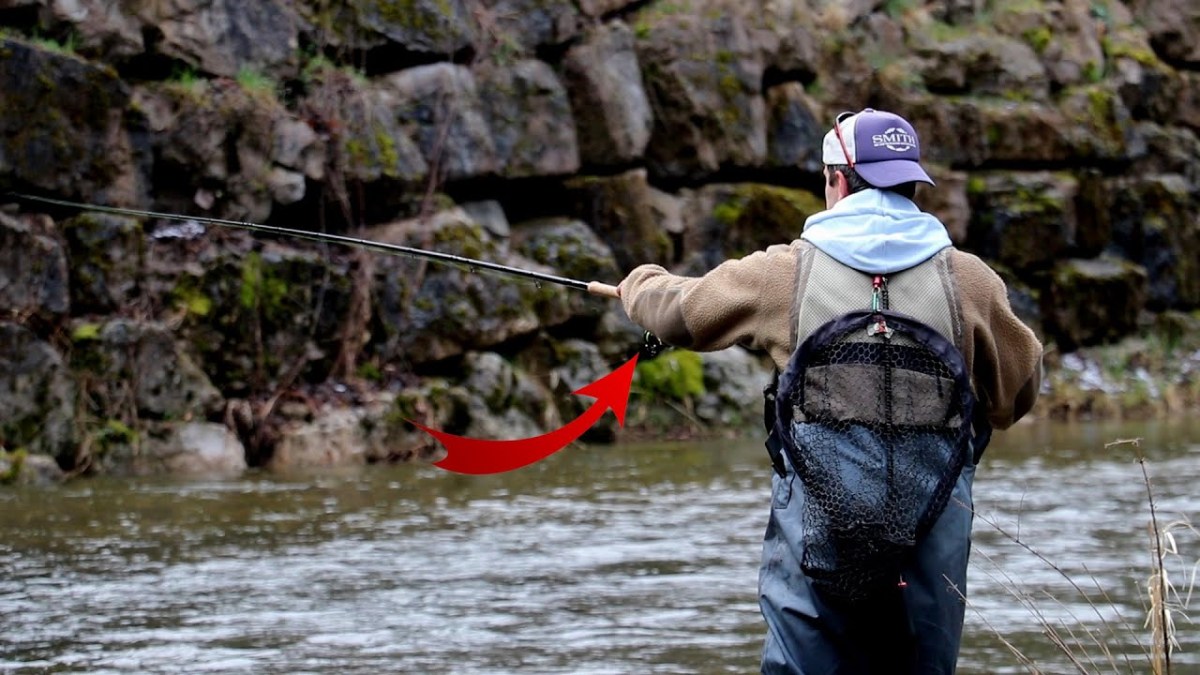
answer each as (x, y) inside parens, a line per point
(876, 231)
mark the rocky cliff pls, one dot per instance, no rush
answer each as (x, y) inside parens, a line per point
(579, 137)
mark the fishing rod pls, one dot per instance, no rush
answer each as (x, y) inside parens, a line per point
(593, 287)
(652, 345)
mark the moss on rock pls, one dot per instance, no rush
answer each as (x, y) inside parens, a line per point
(677, 375)
(748, 217)
(1093, 301)
(11, 464)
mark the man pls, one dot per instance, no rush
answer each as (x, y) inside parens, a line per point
(872, 240)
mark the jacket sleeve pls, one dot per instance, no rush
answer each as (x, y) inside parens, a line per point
(745, 301)
(1005, 354)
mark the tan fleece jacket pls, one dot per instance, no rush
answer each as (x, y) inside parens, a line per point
(748, 302)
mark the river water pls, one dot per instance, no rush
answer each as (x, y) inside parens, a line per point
(626, 559)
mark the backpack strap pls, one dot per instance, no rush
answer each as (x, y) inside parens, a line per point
(775, 447)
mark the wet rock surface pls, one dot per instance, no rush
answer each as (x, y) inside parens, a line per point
(572, 139)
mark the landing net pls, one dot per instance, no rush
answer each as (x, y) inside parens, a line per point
(875, 412)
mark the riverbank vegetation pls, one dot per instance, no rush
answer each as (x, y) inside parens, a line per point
(1081, 621)
(1152, 374)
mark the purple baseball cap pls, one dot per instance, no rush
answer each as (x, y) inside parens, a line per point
(881, 146)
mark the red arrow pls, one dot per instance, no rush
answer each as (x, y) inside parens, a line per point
(481, 456)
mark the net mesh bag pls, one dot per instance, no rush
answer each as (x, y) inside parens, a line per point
(875, 413)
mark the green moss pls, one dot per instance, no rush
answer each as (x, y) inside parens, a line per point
(317, 67)
(434, 401)
(86, 332)
(464, 238)
(113, 437)
(1016, 95)
(1119, 48)
(1071, 276)
(187, 82)
(729, 117)
(256, 83)
(66, 46)
(188, 296)
(1039, 38)
(199, 305)
(251, 290)
(370, 372)
(1037, 197)
(116, 431)
(900, 73)
(944, 32)
(260, 289)
(389, 156)
(654, 13)
(424, 303)
(729, 85)
(16, 460)
(1097, 111)
(728, 212)
(764, 206)
(378, 149)
(407, 406)
(506, 51)
(401, 12)
(676, 375)
(897, 8)
(756, 214)
(976, 185)
(356, 151)
(661, 8)
(1172, 328)
(414, 14)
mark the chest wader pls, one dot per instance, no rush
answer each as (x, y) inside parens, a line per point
(876, 417)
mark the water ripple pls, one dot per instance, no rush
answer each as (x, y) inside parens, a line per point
(614, 560)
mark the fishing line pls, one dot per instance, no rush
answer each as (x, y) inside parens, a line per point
(651, 345)
(468, 264)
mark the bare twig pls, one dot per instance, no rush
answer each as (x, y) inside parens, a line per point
(687, 413)
(1087, 630)
(1124, 622)
(1025, 660)
(1042, 557)
(1160, 615)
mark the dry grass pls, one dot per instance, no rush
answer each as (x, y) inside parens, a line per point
(1169, 589)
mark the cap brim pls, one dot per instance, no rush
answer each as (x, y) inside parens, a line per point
(892, 172)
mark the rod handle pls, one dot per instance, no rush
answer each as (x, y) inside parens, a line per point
(606, 290)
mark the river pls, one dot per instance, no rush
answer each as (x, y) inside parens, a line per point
(624, 559)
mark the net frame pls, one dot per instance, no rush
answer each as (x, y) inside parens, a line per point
(852, 551)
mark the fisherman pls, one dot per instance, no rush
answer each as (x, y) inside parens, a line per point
(873, 251)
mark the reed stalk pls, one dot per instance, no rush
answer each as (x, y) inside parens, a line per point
(1168, 601)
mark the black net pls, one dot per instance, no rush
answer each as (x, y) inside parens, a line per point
(876, 420)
